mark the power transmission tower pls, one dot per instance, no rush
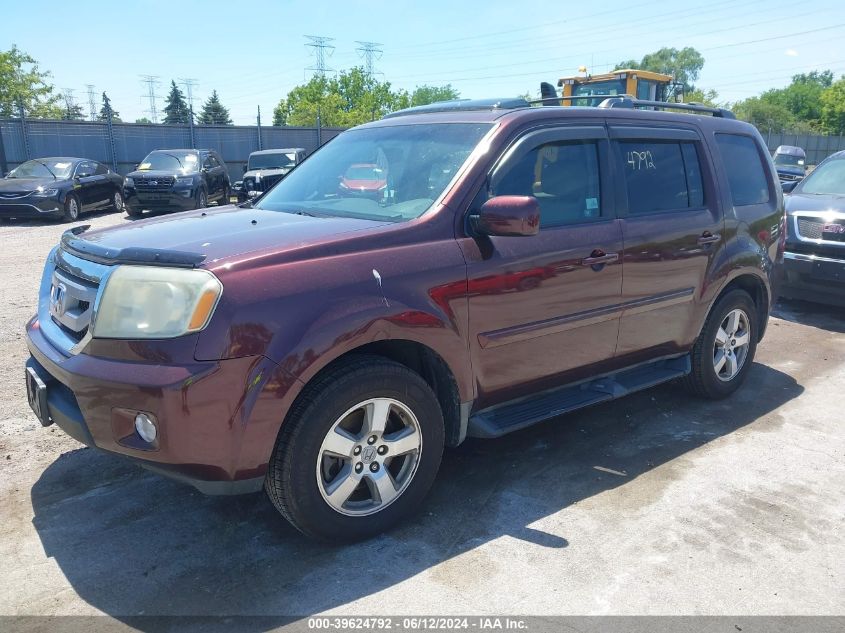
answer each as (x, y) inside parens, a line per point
(92, 102)
(152, 82)
(320, 45)
(189, 83)
(370, 51)
(70, 101)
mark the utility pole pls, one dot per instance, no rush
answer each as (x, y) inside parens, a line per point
(258, 122)
(92, 102)
(370, 51)
(152, 82)
(24, 130)
(322, 49)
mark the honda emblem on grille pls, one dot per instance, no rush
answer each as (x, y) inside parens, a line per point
(58, 300)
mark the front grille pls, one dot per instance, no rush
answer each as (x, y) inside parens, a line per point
(71, 301)
(790, 177)
(14, 195)
(153, 183)
(815, 228)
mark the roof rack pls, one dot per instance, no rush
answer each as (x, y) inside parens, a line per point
(627, 101)
(462, 105)
(553, 101)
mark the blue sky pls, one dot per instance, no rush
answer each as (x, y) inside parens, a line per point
(253, 53)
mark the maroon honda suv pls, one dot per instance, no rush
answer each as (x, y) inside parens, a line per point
(519, 263)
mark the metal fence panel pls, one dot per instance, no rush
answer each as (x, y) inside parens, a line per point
(133, 141)
(818, 147)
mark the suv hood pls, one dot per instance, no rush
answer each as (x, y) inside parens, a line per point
(252, 173)
(225, 232)
(813, 202)
(788, 169)
(158, 173)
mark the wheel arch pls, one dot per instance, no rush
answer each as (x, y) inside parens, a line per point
(757, 289)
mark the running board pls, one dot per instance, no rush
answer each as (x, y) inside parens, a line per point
(512, 416)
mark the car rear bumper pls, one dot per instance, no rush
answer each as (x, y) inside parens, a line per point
(813, 278)
(204, 412)
(168, 200)
(44, 208)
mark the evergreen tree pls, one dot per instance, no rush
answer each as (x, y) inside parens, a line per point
(72, 111)
(213, 112)
(176, 108)
(104, 111)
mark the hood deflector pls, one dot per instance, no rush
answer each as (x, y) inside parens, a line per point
(72, 243)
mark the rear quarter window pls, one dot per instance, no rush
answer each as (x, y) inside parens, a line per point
(745, 169)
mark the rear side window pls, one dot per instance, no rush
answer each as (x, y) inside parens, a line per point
(746, 174)
(564, 177)
(661, 176)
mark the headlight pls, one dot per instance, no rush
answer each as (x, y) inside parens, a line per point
(41, 192)
(150, 302)
(184, 180)
(128, 182)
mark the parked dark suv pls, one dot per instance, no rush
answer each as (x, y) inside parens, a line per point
(521, 263)
(177, 180)
(815, 247)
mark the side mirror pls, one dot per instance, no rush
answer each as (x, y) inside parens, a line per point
(509, 216)
(789, 186)
(246, 168)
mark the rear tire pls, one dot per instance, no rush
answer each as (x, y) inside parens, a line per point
(72, 208)
(339, 474)
(723, 354)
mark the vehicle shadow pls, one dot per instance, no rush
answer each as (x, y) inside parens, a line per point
(818, 315)
(132, 543)
(83, 217)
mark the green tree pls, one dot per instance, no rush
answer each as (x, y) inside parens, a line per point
(708, 97)
(176, 108)
(351, 98)
(104, 111)
(765, 115)
(423, 95)
(143, 119)
(71, 111)
(23, 83)
(684, 65)
(213, 112)
(833, 108)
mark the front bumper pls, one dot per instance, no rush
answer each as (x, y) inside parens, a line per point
(30, 207)
(813, 278)
(205, 411)
(164, 200)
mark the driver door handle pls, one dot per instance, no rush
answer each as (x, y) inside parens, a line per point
(599, 258)
(709, 238)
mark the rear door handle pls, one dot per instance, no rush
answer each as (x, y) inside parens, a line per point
(599, 258)
(709, 238)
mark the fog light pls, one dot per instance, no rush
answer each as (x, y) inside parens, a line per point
(145, 427)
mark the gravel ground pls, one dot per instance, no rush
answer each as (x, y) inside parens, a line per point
(655, 504)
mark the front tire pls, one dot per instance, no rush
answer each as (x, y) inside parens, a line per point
(117, 201)
(72, 208)
(358, 452)
(723, 354)
(202, 199)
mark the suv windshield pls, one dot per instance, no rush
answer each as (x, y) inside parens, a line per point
(170, 161)
(42, 169)
(282, 160)
(788, 160)
(827, 178)
(406, 167)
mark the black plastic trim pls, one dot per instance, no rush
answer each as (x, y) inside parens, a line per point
(133, 255)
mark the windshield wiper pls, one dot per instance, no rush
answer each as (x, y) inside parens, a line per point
(176, 157)
(47, 168)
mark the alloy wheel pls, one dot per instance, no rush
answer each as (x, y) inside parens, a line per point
(369, 456)
(730, 348)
